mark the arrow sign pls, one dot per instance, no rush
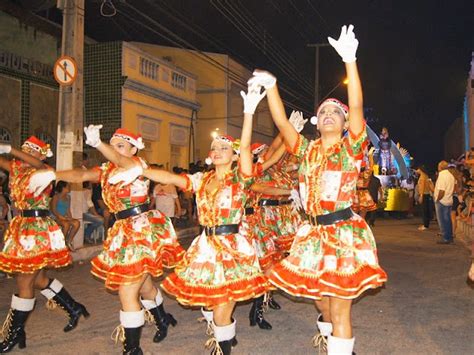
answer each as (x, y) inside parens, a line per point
(65, 70)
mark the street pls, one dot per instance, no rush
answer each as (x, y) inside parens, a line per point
(426, 307)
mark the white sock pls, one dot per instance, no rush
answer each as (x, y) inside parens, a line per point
(149, 304)
(158, 298)
(208, 315)
(325, 328)
(51, 290)
(132, 319)
(340, 346)
(226, 332)
(22, 304)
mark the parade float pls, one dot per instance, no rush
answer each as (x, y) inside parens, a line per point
(392, 168)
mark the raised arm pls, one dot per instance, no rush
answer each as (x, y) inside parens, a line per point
(27, 158)
(275, 103)
(251, 101)
(346, 47)
(92, 133)
(274, 158)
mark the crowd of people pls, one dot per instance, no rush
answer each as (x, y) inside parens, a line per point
(272, 217)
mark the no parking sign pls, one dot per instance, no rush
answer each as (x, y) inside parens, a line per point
(65, 70)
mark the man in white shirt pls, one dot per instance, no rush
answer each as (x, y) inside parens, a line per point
(443, 196)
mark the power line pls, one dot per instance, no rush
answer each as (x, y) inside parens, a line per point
(199, 53)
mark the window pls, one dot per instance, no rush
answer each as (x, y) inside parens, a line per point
(149, 69)
(178, 81)
(5, 136)
(45, 137)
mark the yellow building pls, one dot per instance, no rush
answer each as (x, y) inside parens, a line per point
(128, 87)
(219, 82)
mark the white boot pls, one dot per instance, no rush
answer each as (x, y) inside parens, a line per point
(340, 346)
(320, 340)
(223, 338)
(207, 316)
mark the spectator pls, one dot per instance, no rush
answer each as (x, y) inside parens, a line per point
(4, 213)
(61, 209)
(89, 213)
(425, 188)
(443, 196)
(166, 200)
(375, 189)
(101, 207)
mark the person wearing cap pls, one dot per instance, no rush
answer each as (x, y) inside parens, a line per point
(221, 267)
(33, 243)
(333, 258)
(138, 245)
(443, 197)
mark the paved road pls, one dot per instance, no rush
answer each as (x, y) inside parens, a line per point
(425, 308)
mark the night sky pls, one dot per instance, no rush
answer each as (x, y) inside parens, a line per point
(414, 56)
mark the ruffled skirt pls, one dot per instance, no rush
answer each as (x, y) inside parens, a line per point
(33, 243)
(363, 202)
(136, 246)
(338, 260)
(216, 270)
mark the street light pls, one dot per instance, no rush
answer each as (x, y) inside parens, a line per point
(215, 133)
(345, 82)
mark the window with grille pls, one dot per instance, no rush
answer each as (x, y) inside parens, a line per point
(178, 81)
(149, 69)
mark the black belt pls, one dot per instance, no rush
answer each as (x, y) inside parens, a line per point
(222, 229)
(362, 188)
(249, 211)
(267, 202)
(134, 211)
(35, 213)
(331, 218)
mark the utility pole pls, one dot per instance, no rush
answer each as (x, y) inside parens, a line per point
(316, 71)
(71, 101)
(71, 98)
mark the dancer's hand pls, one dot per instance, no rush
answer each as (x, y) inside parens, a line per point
(297, 121)
(40, 180)
(262, 78)
(92, 133)
(126, 176)
(346, 45)
(296, 199)
(252, 98)
(5, 148)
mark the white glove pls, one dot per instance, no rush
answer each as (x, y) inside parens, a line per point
(126, 176)
(252, 98)
(41, 180)
(5, 148)
(346, 45)
(262, 78)
(92, 133)
(297, 120)
(295, 199)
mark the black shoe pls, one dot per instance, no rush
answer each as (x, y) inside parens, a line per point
(256, 315)
(74, 309)
(131, 344)
(14, 328)
(162, 322)
(272, 303)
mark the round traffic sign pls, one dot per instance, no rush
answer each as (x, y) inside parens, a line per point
(65, 70)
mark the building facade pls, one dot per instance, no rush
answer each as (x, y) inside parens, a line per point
(128, 87)
(220, 80)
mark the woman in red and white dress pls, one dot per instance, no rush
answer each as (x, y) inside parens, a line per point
(33, 243)
(333, 258)
(138, 245)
